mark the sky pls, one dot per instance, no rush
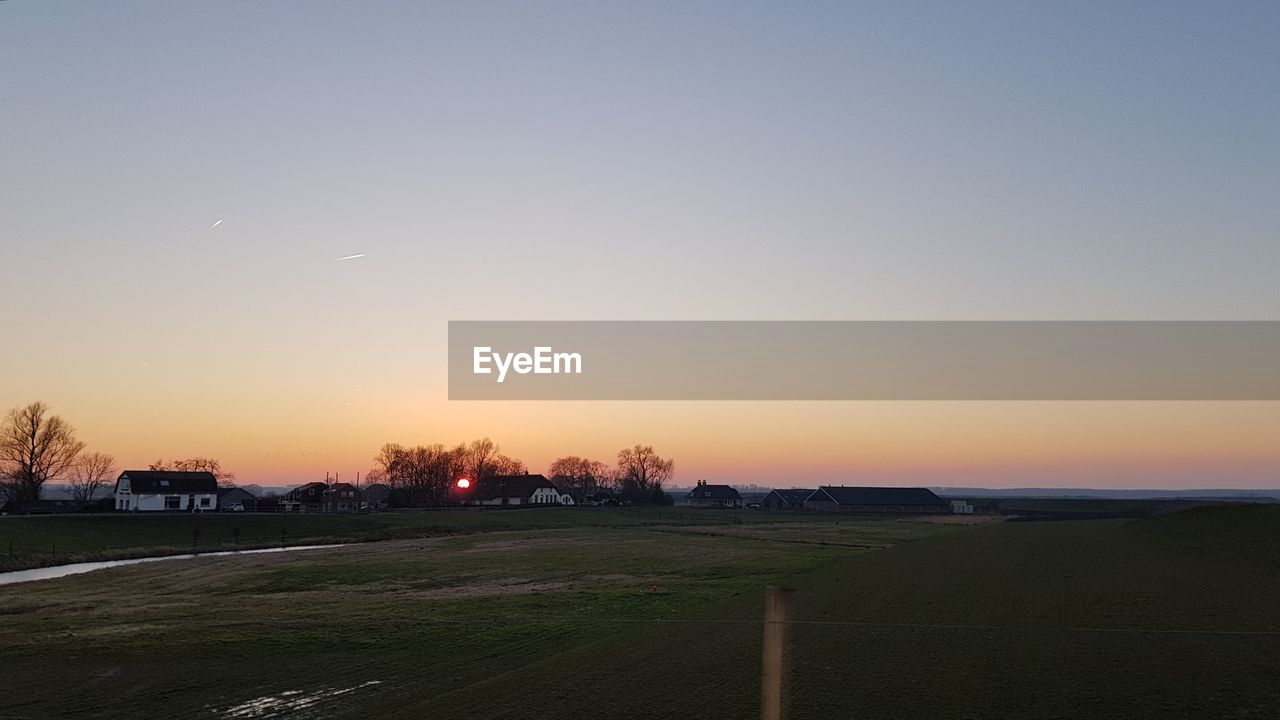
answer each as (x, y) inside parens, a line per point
(177, 179)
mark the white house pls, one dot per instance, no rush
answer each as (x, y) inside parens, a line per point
(515, 490)
(161, 491)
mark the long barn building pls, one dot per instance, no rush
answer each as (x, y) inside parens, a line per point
(880, 500)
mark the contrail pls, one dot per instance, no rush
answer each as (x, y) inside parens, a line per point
(216, 224)
(350, 257)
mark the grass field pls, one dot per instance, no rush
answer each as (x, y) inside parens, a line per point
(1162, 617)
(27, 541)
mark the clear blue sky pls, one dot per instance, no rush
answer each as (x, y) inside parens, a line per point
(592, 160)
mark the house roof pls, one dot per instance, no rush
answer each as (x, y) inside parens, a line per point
(223, 492)
(793, 496)
(168, 481)
(716, 492)
(376, 492)
(341, 487)
(309, 491)
(880, 495)
(511, 486)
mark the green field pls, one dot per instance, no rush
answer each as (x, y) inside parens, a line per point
(652, 617)
(27, 542)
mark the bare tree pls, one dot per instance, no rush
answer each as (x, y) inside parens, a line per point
(89, 473)
(480, 455)
(581, 477)
(34, 448)
(642, 472)
(198, 464)
(385, 459)
(504, 465)
(422, 473)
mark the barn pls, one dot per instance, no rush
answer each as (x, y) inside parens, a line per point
(166, 490)
(878, 500)
(792, 499)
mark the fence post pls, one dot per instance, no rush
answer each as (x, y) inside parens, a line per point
(773, 672)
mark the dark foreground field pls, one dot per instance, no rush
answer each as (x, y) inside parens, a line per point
(39, 541)
(1166, 617)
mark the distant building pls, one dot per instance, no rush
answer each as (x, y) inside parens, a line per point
(376, 496)
(779, 500)
(717, 496)
(166, 490)
(237, 496)
(879, 500)
(305, 498)
(515, 490)
(340, 498)
(961, 507)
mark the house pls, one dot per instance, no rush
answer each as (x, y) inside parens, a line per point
(885, 500)
(515, 490)
(718, 496)
(166, 490)
(376, 496)
(793, 499)
(305, 498)
(237, 496)
(340, 497)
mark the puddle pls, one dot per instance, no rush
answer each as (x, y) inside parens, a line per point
(289, 702)
(57, 571)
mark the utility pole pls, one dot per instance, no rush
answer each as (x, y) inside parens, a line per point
(773, 672)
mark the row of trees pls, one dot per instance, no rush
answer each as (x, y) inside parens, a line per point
(638, 475)
(197, 464)
(424, 475)
(37, 447)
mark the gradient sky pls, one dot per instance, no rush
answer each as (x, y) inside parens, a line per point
(604, 161)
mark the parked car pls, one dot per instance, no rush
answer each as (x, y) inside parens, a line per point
(236, 507)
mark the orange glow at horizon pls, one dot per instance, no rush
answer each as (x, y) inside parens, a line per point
(997, 444)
